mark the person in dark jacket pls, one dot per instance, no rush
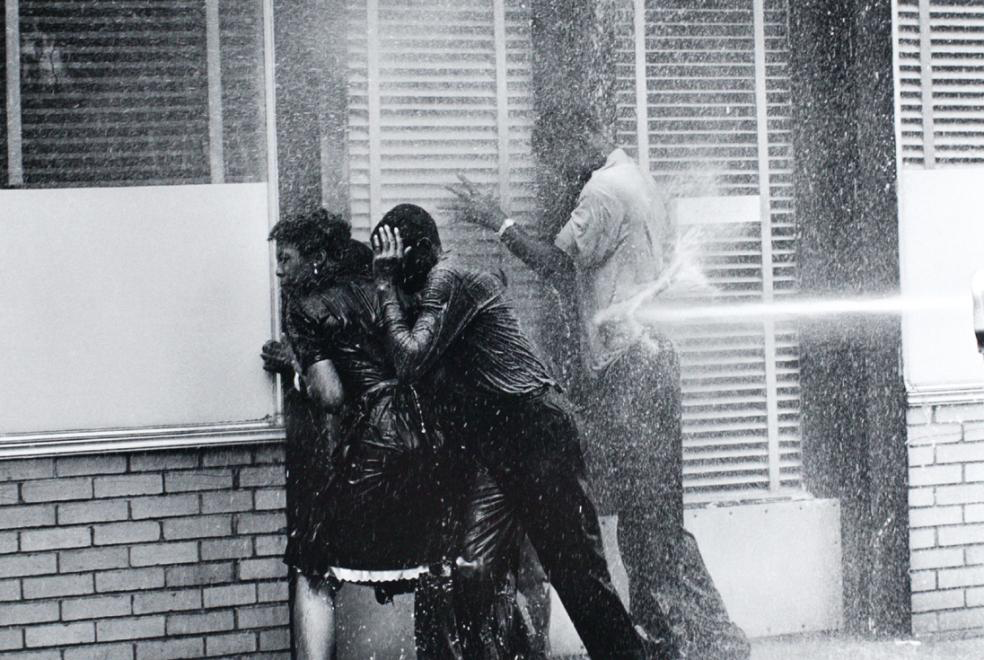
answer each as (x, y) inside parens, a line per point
(464, 346)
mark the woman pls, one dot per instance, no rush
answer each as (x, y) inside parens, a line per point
(377, 498)
(371, 496)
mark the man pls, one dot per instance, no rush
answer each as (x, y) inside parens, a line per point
(618, 239)
(465, 347)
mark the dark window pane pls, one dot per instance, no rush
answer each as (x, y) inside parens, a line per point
(115, 92)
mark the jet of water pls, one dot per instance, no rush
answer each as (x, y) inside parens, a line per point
(665, 313)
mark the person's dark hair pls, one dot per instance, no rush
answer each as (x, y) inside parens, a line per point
(419, 233)
(311, 233)
(414, 224)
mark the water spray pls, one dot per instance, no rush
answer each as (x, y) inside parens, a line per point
(669, 313)
(659, 303)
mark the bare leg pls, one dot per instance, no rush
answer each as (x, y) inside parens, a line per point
(313, 619)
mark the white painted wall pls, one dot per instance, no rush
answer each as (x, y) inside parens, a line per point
(941, 226)
(131, 307)
(777, 566)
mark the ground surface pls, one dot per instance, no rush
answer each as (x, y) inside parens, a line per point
(841, 648)
(827, 648)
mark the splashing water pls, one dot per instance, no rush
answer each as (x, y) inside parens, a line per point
(668, 312)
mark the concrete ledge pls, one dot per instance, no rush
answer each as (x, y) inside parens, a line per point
(777, 566)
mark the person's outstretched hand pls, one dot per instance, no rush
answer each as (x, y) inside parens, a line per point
(473, 206)
(277, 357)
(387, 255)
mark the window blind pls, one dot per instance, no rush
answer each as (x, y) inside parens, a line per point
(243, 90)
(438, 87)
(910, 83)
(426, 100)
(714, 79)
(123, 92)
(941, 79)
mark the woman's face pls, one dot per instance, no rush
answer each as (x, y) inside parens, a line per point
(292, 269)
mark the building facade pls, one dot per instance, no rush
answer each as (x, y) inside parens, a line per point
(940, 61)
(831, 468)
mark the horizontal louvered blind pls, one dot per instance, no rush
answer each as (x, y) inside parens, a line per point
(113, 92)
(910, 83)
(957, 65)
(438, 87)
(116, 92)
(740, 380)
(941, 42)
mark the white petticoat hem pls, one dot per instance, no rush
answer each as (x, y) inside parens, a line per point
(356, 575)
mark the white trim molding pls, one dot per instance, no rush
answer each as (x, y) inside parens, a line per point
(938, 395)
(101, 441)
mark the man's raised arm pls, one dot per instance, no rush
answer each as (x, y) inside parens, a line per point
(542, 257)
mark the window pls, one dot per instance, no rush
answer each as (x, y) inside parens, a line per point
(438, 87)
(128, 289)
(715, 123)
(941, 82)
(128, 92)
(444, 86)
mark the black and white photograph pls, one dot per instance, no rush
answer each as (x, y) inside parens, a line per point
(492, 329)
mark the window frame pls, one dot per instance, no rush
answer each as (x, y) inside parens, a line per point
(158, 437)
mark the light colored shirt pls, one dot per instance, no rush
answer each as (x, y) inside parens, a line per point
(619, 237)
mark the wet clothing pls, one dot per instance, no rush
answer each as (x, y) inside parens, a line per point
(309, 444)
(490, 623)
(639, 470)
(383, 489)
(391, 493)
(307, 461)
(495, 394)
(636, 409)
(466, 337)
(619, 238)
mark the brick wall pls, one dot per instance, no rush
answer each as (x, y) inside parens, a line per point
(149, 555)
(946, 517)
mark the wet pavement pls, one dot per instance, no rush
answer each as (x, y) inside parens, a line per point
(844, 648)
(840, 648)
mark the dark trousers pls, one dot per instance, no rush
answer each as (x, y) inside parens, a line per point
(636, 445)
(492, 623)
(531, 448)
(473, 613)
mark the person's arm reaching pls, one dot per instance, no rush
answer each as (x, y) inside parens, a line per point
(542, 257)
(323, 385)
(312, 332)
